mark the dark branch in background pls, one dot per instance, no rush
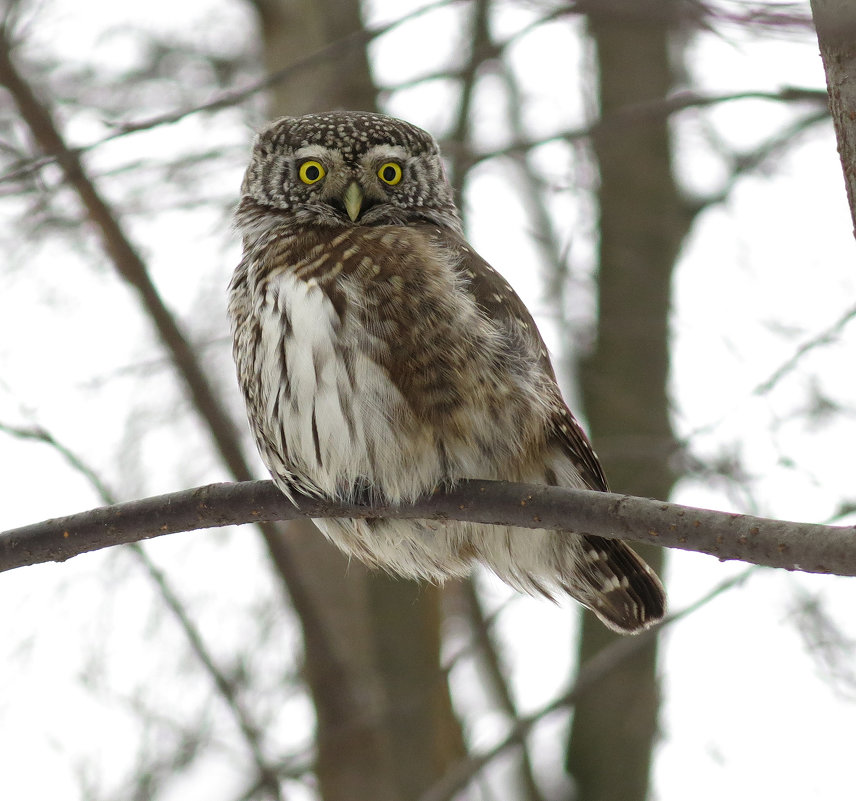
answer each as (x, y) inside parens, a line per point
(595, 669)
(742, 164)
(808, 547)
(267, 773)
(131, 267)
(498, 685)
(554, 259)
(125, 259)
(357, 39)
(826, 337)
(653, 110)
(835, 21)
(480, 50)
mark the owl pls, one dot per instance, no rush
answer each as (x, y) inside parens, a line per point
(380, 357)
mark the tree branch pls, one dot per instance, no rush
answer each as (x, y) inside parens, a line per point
(125, 259)
(807, 547)
(835, 21)
(268, 773)
(130, 266)
(826, 337)
(590, 673)
(497, 680)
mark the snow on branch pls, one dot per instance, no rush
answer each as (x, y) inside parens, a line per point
(774, 543)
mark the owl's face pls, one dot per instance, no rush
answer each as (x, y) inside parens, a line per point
(345, 169)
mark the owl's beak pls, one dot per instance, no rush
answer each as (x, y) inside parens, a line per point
(353, 200)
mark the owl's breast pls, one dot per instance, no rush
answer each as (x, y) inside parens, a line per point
(469, 378)
(329, 413)
(373, 363)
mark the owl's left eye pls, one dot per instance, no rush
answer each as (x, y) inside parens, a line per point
(311, 172)
(390, 173)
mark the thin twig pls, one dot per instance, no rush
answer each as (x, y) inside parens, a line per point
(599, 666)
(356, 39)
(126, 260)
(268, 775)
(655, 110)
(498, 682)
(268, 778)
(825, 337)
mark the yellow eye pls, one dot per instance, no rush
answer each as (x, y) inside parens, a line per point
(389, 173)
(311, 172)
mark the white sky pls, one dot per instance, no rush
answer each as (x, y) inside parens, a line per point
(747, 713)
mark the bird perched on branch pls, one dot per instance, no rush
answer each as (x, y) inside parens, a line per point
(379, 356)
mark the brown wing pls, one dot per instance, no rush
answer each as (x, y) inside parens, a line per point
(495, 296)
(502, 304)
(569, 433)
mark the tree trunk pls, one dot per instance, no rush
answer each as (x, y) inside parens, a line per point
(625, 379)
(385, 726)
(835, 21)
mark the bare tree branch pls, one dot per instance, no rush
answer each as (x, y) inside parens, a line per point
(356, 39)
(811, 548)
(825, 337)
(652, 111)
(593, 671)
(497, 682)
(481, 49)
(742, 164)
(835, 21)
(680, 101)
(125, 259)
(268, 774)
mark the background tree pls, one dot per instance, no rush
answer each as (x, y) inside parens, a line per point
(625, 378)
(385, 726)
(206, 682)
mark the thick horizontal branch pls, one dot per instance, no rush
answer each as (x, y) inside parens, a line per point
(773, 543)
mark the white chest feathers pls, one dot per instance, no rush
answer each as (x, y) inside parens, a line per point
(332, 415)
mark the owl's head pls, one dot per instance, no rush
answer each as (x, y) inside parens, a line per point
(343, 169)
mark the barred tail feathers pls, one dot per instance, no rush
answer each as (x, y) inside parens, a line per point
(604, 575)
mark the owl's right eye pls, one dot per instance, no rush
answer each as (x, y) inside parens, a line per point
(311, 172)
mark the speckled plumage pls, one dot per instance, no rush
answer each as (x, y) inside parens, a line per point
(378, 352)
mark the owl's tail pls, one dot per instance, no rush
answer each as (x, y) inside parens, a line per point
(604, 575)
(619, 587)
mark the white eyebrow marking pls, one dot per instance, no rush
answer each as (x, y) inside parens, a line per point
(312, 151)
(385, 152)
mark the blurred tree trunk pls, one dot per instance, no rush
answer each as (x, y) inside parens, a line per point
(625, 380)
(835, 22)
(385, 726)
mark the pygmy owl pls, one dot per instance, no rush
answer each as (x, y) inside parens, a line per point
(377, 351)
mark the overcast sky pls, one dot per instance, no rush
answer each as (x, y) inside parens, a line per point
(749, 710)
